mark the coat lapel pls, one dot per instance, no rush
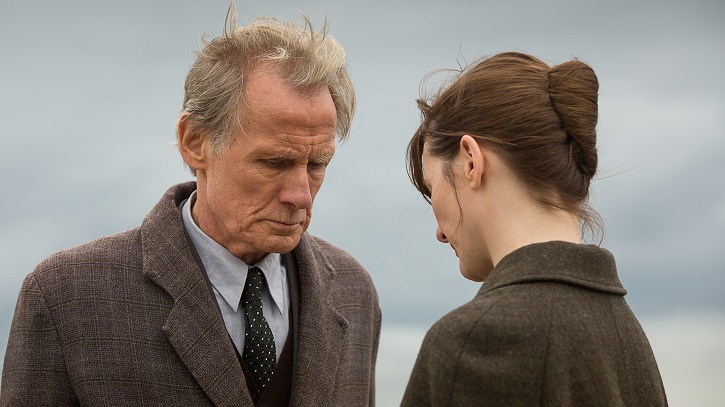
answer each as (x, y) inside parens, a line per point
(321, 329)
(194, 327)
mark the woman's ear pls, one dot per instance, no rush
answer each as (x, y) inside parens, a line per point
(473, 160)
(190, 143)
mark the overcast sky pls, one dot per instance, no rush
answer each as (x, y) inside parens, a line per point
(90, 91)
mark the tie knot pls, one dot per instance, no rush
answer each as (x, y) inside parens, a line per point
(253, 286)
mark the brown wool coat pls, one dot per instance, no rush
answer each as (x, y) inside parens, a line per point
(549, 327)
(128, 320)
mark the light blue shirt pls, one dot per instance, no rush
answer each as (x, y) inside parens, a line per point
(228, 273)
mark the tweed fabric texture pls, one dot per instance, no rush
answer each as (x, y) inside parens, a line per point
(549, 327)
(259, 350)
(128, 320)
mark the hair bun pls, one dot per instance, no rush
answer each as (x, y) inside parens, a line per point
(573, 89)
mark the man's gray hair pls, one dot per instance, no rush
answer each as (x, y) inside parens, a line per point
(304, 58)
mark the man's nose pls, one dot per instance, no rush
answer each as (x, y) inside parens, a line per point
(296, 190)
(441, 236)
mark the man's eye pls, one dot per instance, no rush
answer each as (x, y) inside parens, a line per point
(317, 166)
(273, 163)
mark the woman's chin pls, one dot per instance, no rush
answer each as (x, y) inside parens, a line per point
(477, 274)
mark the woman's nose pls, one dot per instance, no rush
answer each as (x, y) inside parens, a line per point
(441, 236)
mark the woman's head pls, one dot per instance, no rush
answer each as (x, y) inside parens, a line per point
(540, 120)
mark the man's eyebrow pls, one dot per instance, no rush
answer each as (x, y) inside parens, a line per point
(286, 156)
(281, 154)
(325, 158)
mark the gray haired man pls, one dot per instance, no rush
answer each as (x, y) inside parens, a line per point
(219, 297)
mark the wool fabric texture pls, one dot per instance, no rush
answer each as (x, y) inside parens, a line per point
(549, 327)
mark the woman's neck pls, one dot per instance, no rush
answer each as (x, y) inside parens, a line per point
(528, 223)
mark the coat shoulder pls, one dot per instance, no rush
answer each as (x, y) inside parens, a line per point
(104, 249)
(346, 272)
(340, 259)
(83, 263)
(482, 347)
(508, 311)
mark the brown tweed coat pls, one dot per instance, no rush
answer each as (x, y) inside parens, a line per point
(128, 320)
(549, 327)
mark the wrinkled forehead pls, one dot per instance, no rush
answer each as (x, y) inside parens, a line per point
(319, 144)
(285, 104)
(272, 105)
(284, 98)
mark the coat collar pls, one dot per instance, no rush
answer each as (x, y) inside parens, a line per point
(587, 266)
(321, 328)
(194, 327)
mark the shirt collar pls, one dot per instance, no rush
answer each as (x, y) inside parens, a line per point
(228, 273)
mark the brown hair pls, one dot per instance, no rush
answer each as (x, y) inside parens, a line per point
(305, 58)
(541, 121)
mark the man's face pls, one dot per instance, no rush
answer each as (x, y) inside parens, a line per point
(256, 197)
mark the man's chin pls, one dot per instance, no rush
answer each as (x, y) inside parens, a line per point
(283, 244)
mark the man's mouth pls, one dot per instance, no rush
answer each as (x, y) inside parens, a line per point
(285, 224)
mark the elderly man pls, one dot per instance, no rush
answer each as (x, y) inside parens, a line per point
(220, 297)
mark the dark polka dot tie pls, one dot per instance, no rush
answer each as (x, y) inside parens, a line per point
(259, 350)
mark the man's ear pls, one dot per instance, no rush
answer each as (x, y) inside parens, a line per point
(473, 160)
(190, 142)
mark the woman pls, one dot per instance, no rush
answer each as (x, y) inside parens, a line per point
(505, 155)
